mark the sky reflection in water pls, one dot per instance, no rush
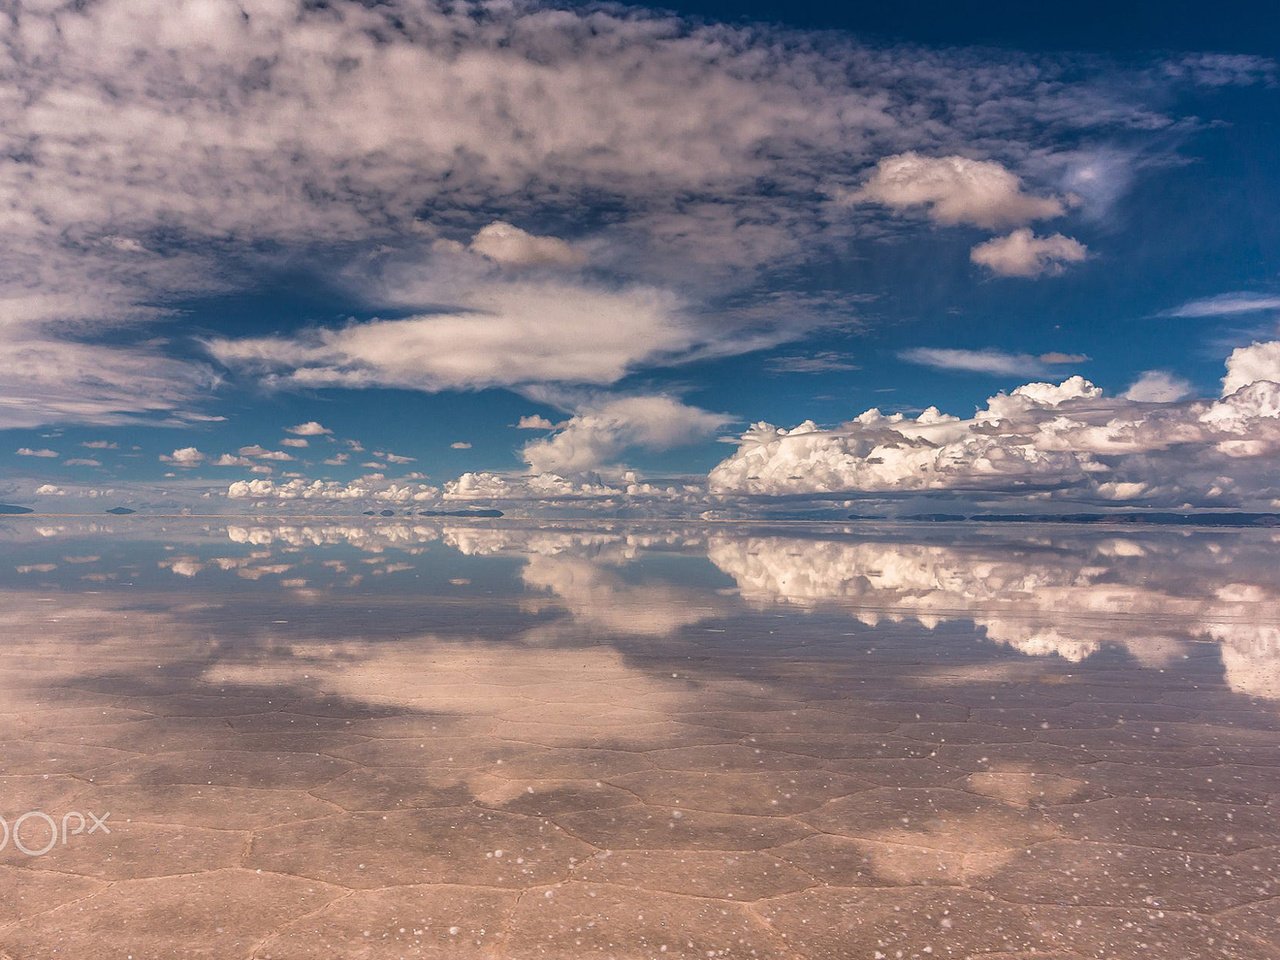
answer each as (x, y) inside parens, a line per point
(595, 740)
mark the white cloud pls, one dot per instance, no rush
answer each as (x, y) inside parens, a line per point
(395, 458)
(259, 452)
(1067, 439)
(535, 421)
(183, 457)
(308, 429)
(349, 126)
(371, 489)
(825, 361)
(514, 333)
(100, 445)
(506, 244)
(296, 442)
(1226, 305)
(1023, 254)
(231, 460)
(1158, 386)
(973, 361)
(955, 190)
(1246, 365)
(599, 432)
(460, 445)
(50, 490)
(43, 453)
(82, 462)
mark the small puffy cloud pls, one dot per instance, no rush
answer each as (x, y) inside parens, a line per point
(50, 490)
(338, 459)
(1246, 365)
(392, 457)
(231, 460)
(535, 421)
(43, 453)
(309, 429)
(183, 457)
(460, 445)
(955, 190)
(82, 462)
(506, 244)
(1158, 386)
(259, 452)
(294, 442)
(1226, 305)
(100, 445)
(1023, 254)
(599, 432)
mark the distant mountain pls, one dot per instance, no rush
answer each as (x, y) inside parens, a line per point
(12, 508)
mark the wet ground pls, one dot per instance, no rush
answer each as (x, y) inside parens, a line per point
(404, 739)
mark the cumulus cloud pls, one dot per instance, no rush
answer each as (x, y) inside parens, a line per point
(308, 429)
(535, 421)
(183, 457)
(460, 445)
(504, 243)
(43, 453)
(296, 442)
(1023, 254)
(260, 452)
(955, 190)
(599, 432)
(369, 488)
(1066, 439)
(1246, 365)
(1158, 386)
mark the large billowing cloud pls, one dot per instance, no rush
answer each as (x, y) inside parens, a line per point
(1067, 440)
(155, 148)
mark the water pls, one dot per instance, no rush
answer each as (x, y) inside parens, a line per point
(392, 739)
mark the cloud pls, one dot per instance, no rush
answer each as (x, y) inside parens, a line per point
(365, 131)
(394, 457)
(308, 429)
(955, 190)
(1246, 365)
(1158, 386)
(377, 491)
(535, 421)
(183, 457)
(509, 245)
(42, 453)
(1066, 440)
(100, 445)
(973, 361)
(825, 361)
(82, 462)
(296, 442)
(1023, 254)
(601, 431)
(259, 452)
(231, 460)
(50, 490)
(460, 445)
(510, 334)
(1226, 305)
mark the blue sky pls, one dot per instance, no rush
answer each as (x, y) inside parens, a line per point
(642, 232)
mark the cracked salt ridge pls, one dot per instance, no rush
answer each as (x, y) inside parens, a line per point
(332, 795)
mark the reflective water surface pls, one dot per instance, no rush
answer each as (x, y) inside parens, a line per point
(400, 739)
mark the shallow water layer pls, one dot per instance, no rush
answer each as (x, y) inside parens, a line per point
(406, 739)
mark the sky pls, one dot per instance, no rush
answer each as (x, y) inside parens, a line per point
(711, 259)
